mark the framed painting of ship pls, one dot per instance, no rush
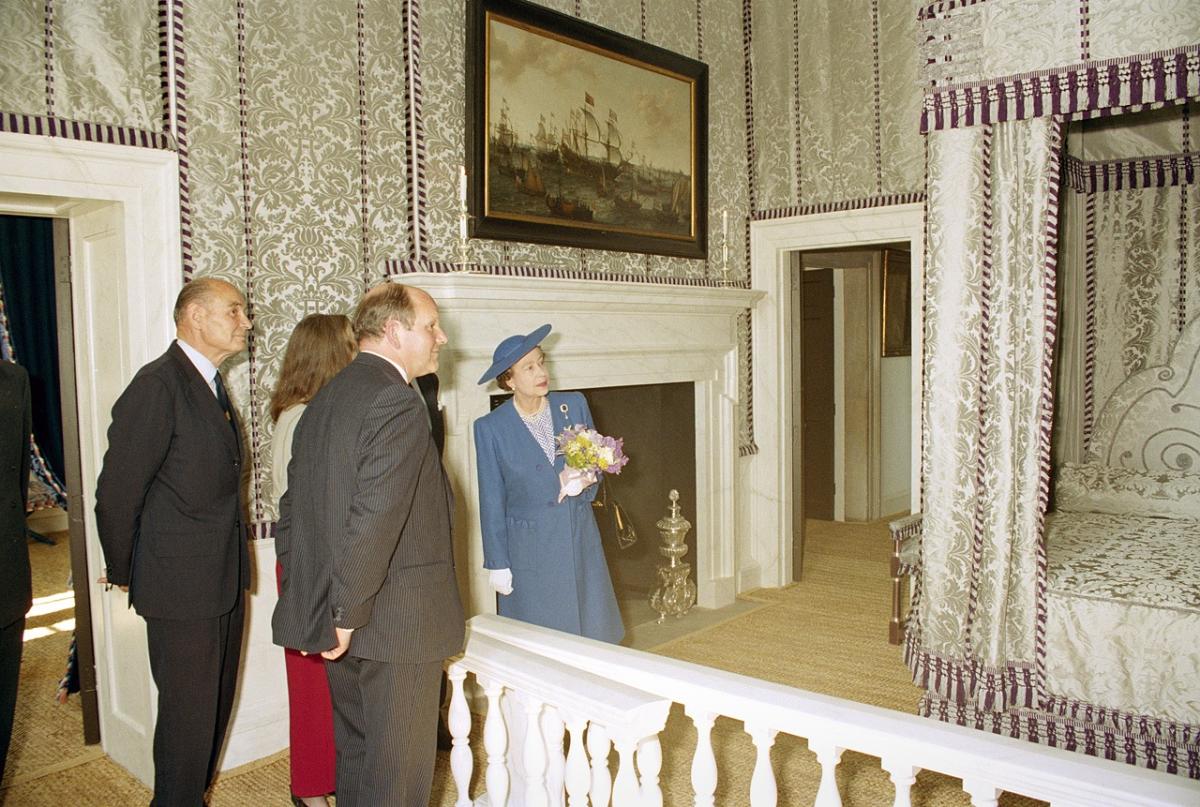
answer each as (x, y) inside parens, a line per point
(581, 136)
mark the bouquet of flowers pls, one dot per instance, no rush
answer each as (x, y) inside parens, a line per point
(588, 454)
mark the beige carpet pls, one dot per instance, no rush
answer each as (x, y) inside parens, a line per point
(827, 634)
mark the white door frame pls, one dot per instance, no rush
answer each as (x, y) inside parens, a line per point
(770, 503)
(125, 277)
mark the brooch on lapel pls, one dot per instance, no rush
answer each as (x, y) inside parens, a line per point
(562, 408)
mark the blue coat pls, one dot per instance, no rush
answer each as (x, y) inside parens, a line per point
(560, 577)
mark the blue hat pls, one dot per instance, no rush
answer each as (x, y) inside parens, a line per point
(511, 349)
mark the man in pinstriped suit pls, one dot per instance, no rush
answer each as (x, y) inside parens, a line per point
(364, 540)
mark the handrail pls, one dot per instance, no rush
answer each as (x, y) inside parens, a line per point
(987, 763)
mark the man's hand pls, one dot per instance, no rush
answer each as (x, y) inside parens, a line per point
(343, 637)
(501, 581)
(104, 582)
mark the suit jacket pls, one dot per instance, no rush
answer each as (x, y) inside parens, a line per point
(169, 499)
(364, 532)
(15, 429)
(560, 575)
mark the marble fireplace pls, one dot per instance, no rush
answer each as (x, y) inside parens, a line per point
(607, 333)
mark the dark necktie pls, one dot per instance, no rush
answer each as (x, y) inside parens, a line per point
(223, 400)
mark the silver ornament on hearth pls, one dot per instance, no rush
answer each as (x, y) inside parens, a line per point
(676, 593)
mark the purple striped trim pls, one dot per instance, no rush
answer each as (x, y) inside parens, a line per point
(364, 197)
(1181, 300)
(1076, 726)
(1083, 90)
(87, 131)
(48, 54)
(1085, 33)
(877, 133)
(414, 133)
(1159, 171)
(796, 80)
(925, 393)
(175, 120)
(1089, 332)
(1046, 432)
(398, 267)
(834, 207)
(983, 372)
(748, 84)
(250, 260)
(262, 529)
(940, 9)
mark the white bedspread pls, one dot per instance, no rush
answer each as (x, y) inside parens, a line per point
(1123, 610)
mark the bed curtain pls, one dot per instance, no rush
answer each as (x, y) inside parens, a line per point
(990, 314)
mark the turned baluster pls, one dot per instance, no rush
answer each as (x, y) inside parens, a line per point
(903, 775)
(704, 762)
(461, 762)
(556, 763)
(763, 792)
(535, 754)
(597, 746)
(495, 743)
(828, 755)
(578, 776)
(625, 788)
(649, 763)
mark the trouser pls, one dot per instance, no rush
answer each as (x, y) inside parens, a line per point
(11, 644)
(384, 727)
(195, 666)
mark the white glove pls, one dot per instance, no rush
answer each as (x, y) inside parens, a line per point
(501, 581)
(572, 481)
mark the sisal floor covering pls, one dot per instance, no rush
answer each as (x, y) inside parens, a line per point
(827, 633)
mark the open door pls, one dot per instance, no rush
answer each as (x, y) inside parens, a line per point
(123, 688)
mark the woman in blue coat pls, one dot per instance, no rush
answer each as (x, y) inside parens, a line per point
(544, 554)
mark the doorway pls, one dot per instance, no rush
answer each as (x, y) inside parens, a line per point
(36, 267)
(122, 205)
(853, 449)
(775, 508)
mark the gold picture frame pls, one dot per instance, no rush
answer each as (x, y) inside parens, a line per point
(581, 136)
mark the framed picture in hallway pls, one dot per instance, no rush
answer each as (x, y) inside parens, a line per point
(581, 136)
(896, 330)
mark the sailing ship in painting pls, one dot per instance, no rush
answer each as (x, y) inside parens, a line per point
(584, 171)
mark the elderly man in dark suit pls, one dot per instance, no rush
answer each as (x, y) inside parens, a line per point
(170, 515)
(364, 542)
(15, 591)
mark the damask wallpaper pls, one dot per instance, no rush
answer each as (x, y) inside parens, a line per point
(836, 104)
(321, 141)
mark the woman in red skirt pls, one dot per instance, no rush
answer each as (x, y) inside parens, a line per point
(320, 346)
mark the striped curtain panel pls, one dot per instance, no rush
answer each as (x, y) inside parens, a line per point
(990, 313)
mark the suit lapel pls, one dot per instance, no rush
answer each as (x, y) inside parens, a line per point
(202, 399)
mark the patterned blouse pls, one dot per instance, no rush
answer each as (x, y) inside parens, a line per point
(541, 426)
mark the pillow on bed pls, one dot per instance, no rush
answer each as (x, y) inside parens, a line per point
(1093, 488)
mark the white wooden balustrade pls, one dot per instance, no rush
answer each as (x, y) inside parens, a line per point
(555, 697)
(563, 681)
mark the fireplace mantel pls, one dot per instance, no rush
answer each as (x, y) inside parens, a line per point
(606, 333)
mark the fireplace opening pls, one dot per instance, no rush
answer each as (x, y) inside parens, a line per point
(657, 423)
